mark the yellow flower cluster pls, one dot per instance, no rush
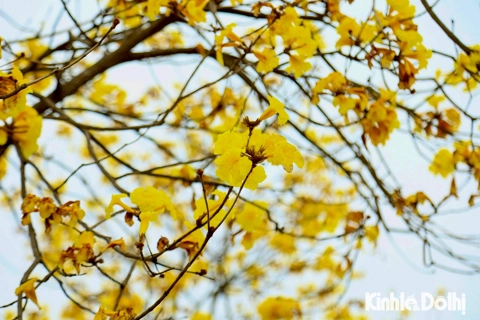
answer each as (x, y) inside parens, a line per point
(150, 201)
(235, 150)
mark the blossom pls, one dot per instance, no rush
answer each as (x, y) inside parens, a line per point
(28, 287)
(145, 218)
(347, 29)
(279, 308)
(276, 106)
(443, 163)
(29, 205)
(232, 167)
(115, 200)
(13, 105)
(27, 127)
(151, 203)
(116, 243)
(104, 314)
(253, 217)
(151, 199)
(283, 153)
(229, 140)
(153, 7)
(194, 10)
(298, 66)
(284, 243)
(201, 316)
(267, 60)
(257, 176)
(228, 33)
(80, 252)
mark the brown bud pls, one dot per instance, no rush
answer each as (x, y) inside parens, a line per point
(162, 243)
(115, 23)
(139, 245)
(129, 218)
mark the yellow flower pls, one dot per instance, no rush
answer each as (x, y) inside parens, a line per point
(435, 100)
(233, 167)
(283, 243)
(229, 140)
(213, 206)
(279, 308)
(82, 251)
(12, 106)
(344, 103)
(275, 107)
(298, 66)
(74, 212)
(380, 122)
(403, 7)
(348, 31)
(116, 201)
(227, 32)
(46, 208)
(257, 176)
(85, 238)
(454, 118)
(195, 237)
(33, 50)
(27, 127)
(119, 242)
(103, 314)
(249, 238)
(3, 166)
(201, 316)
(253, 217)
(194, 11)
(129, 13)
(145, 218)
(110, 95)
(335, 82)
(267, 60)
(29, 205)
(234, 162)
(443, 163)
(151, 199)
(151, 203)
(28, 287)
(421, 54)
(371, 233)
(153, 8)
(3, 136)
(283, 153)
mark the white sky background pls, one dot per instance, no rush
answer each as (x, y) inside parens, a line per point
(393, 266)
